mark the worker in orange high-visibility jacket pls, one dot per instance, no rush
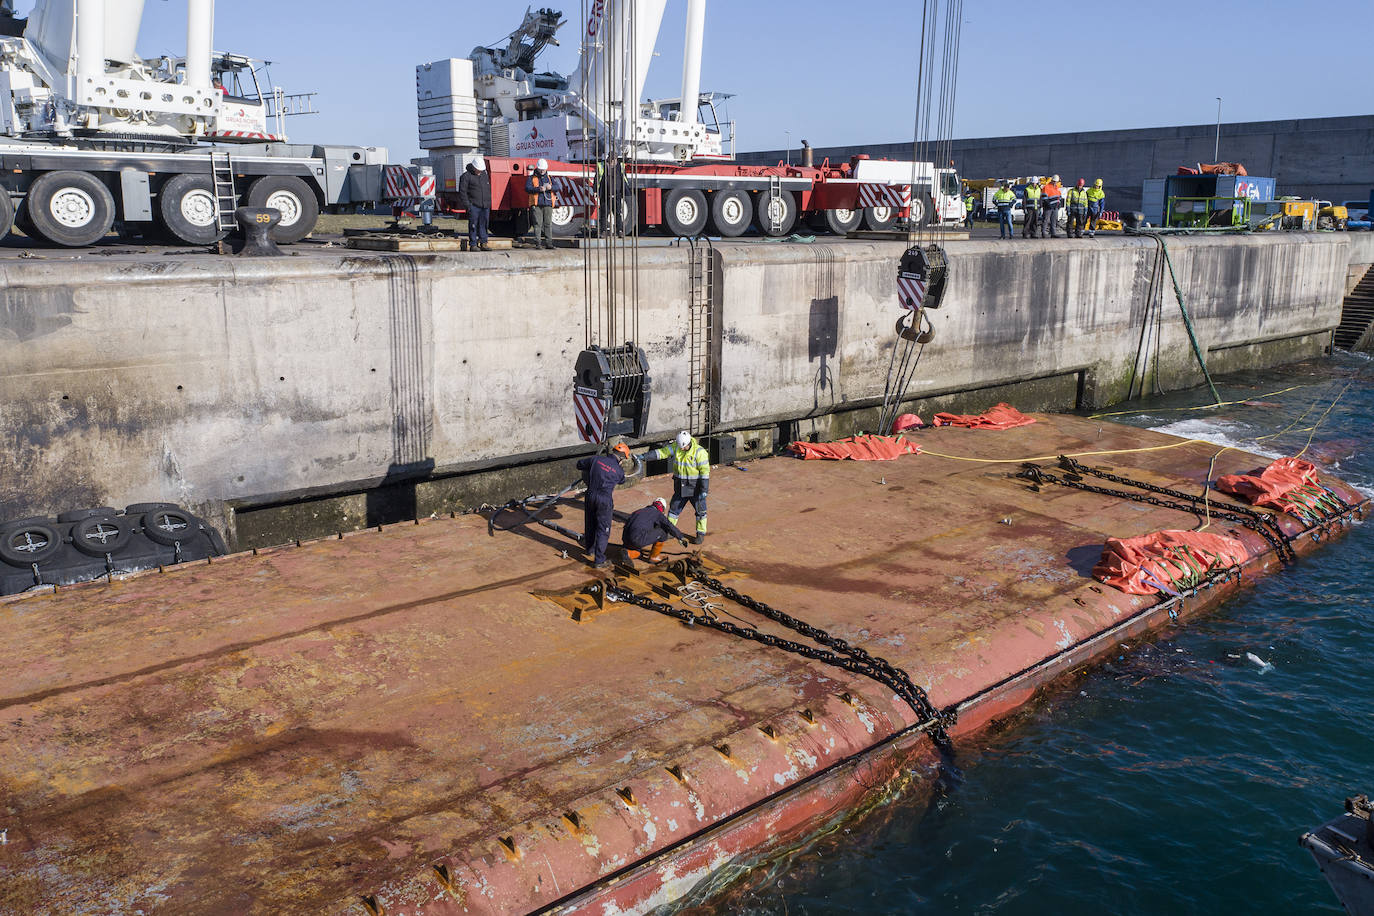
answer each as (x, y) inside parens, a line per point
(1050, 201)
(691, 478)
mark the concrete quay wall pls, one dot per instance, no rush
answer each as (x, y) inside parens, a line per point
(338, 385)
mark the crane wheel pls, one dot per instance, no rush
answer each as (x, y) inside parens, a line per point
(69, 208)
(731, 213)
(684, 212)
(6, 214)
(843, 222)
(291, 197)
(775, 212)
(880, 219)
(188, 210)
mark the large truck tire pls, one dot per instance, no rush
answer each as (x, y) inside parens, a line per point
(684, 212)
(69, 208)
(188, 210)
(843, 222)
(568, 222)
(6, 213)
(880, 219)
(775, 212)
(732, 213)
(291, 197)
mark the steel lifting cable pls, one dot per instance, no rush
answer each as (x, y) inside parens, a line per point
(837, 652)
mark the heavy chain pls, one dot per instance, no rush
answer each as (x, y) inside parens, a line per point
(1261, 523)
(838, 652)
(1322, 517)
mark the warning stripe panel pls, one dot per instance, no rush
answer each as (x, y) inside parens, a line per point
(911, 291)
(589, 412)
(897, 196)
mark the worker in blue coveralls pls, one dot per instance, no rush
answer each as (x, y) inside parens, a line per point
(602, 474)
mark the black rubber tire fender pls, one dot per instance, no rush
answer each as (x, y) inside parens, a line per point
(685, 212)
(843, 222)
(81, 190)
(172, 202)
(169, 526)
(293, 198)
(765, 201)
(102, 534)
(33, 541)
(880, 219)
(732, 213)
(80, 515)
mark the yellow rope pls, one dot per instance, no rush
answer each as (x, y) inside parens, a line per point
(1122, 413)
(1322, 419)
(1112, 451)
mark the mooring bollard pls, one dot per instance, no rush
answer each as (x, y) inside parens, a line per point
(256, 224)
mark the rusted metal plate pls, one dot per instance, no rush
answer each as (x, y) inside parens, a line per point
(400, 714)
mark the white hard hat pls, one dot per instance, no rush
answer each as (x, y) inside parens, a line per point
(684, 439)
(479, 163)
(542, 165)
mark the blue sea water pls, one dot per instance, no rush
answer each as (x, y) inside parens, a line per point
(1177, 776)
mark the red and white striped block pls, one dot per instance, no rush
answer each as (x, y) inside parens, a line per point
(897, 196)
(403, 188)
(242, 135)
(573, 192)
(911, 291)
(589, 411)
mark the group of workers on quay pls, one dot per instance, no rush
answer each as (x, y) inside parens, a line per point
(1041, 201)
(474, 196)
(646, 530)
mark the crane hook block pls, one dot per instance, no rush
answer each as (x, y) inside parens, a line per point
(619, 376)
(921, 277)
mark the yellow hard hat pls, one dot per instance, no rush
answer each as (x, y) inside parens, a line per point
(1097, 183)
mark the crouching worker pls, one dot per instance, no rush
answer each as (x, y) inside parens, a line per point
(602, 474)
(646, 527)
(691, 478)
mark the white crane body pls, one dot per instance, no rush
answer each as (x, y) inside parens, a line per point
(92, 134)
(677, 153)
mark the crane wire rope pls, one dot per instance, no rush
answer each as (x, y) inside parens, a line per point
(929, 148)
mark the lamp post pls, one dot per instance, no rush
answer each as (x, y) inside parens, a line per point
(788, 134)
(1216, 149)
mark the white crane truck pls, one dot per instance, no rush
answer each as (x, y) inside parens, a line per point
(91, 134)
(676, 156)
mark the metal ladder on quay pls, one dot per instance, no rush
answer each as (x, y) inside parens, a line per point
(226, 194)
(701, 274)
(1357, 313)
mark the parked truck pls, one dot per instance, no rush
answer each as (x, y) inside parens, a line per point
(676, 157)
(91, 134)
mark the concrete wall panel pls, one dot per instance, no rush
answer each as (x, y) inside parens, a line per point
(209, 381)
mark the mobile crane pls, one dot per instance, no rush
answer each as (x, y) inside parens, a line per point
(678, 154)
(91, 133)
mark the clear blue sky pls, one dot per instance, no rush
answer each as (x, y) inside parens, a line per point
(835, 73)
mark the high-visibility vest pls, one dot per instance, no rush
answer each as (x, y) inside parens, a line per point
(1095, 194)
(690, 463)
(1032, 194)
(1051, 191)
(1003, 198)
(1077, 197)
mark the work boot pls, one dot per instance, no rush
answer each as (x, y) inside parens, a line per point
(700, 538)
(632, 554)
(484, 247)
(656, 555)
(601, 564)
(548, 245)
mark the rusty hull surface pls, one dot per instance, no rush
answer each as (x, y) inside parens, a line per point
(397, 715)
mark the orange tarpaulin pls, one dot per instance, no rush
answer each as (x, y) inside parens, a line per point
(859, 448)
(1165, 561)
(1288, 484)
(1003, 416)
